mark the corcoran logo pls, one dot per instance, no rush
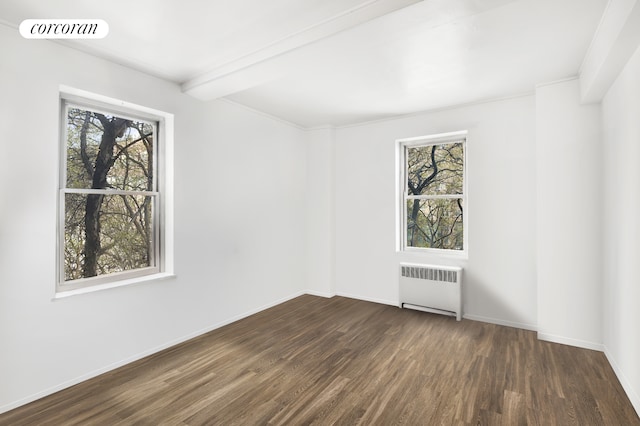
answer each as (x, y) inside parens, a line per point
(64, 28)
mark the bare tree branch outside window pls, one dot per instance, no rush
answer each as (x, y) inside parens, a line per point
(109, 196)
(434, 200)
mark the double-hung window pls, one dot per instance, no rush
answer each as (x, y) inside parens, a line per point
(432, 213)
(111, 207)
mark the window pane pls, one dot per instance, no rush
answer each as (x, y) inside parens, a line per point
(435, 224)
(120, 236)
(105, 151)
(435, 169)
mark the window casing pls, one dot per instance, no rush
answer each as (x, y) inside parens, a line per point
(112, 215)
(432, 201)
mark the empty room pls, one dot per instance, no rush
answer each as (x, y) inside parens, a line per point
(248, 212)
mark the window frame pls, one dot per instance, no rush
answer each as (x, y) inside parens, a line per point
(162, 194)
(402, 196)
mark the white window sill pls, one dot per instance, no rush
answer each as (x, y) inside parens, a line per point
(435, 253)
(61, 294)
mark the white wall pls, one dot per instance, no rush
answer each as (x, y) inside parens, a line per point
(239, 223)
(320, 271)
(265, 211)
(621, 202)
(499, 275)
(569, 184)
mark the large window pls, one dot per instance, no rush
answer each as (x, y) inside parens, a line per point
(433, 201)
(111, 189)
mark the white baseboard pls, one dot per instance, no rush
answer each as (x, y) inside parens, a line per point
(368, 299)
(570, 341)
(128, 360)
(466, 316)
(634, 397)
(320, 293)
(498, 321)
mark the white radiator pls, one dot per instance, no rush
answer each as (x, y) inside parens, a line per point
(431, 288)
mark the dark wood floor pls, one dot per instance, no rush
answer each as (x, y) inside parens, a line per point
(343, 361)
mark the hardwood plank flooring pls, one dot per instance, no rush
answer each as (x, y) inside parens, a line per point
(342, 361)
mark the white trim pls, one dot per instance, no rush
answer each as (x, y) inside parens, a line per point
(107, 56)
(497, 321)
(109, 191)
(320, 127)
(438, 109)
(449, 137)
(380, 120)
(326, 295)
(433, 252)
(130, 113)
(213, 83)
(469, 317)
(143, 354)
(399, 196)
(559, 81)
(633, 396)
(570, 341)
(62, 293)
(163, 262)
(106, 280)
(401, 147)
(434, 197)
(9, 24)
(595, 36)
(368, 299)
(613, 43)
(166, 152)
(263, 114)
(111, 104)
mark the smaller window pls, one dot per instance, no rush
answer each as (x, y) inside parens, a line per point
(433, 194)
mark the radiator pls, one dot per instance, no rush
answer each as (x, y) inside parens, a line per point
(430, 288)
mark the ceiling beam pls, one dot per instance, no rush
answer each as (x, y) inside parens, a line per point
(259, 66)
(617, 38)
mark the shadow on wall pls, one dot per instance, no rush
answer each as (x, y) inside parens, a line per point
(482, 302)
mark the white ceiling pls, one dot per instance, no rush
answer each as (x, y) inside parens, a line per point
(337, 62)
